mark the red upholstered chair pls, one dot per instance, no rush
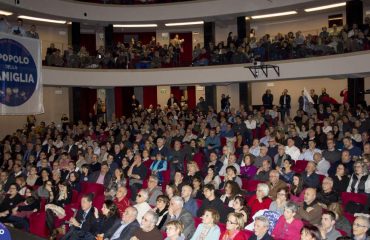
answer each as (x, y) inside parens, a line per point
(244, 183)
(98, 201)
(342, 232)
(87, 187)
(300, 166)
(222, 227)
(252, 185)
(197, 221)
(199, 202)
(199, 159)
(354, 197)
(74, 196)
(321, 177)
(247, 234)
(223, 141)
(37, 224)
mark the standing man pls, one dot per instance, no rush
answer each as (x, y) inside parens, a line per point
(268, 99)
(284, 104)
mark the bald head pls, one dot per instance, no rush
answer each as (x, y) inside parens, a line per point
(309, 195)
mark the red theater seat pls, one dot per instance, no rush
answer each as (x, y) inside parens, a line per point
(87, 187)
(37, 224)
(300, 166)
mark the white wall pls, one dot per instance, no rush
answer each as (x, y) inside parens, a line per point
(222, 30)
(309, 24)
(57, 34)
(232, 90)
(163, 94)
(56, 102)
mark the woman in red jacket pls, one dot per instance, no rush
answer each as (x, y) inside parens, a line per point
(260, 200)
(234, 226)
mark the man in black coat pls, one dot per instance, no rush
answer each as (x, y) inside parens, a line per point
(213, 202)
(84, 223)
(284, 104)
(124, 228)
(267, 99)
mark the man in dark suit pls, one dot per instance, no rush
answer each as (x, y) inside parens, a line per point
(71, 148)
(101, 177)
(124, 228)
(284, 104)
(176, 211)
(84, 223)
(171, 101)
(268, 99)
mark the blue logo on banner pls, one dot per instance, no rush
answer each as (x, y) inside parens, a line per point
(4, 233)
(18, 73)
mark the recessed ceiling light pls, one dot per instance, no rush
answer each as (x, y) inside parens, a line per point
(274, 15)
(134, 25)
(5, 13)
(42, 19)
(183, 23)
(325, 7)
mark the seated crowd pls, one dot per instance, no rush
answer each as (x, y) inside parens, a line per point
(136, 54)
(189, 174)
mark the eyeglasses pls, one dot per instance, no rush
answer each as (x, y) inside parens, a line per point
(359, 225)
(139, 195)
(231, 222)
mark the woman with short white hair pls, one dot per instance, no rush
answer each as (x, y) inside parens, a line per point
(360, 180)
(260, 200)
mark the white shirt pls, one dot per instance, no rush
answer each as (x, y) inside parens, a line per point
(142, 208)
(251, 124)
(293, 152)
(308, 154)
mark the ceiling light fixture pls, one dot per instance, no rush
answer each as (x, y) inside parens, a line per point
(5, 13)
(274, 15)
(134, 25)
(42, 19)
(325, 7)
(183, 24)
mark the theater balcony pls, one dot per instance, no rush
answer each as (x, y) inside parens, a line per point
(334, 66)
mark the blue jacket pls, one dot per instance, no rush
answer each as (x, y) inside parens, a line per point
(213, 234)
(191, 206)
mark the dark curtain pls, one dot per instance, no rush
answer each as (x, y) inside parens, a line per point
(177, 93)
(127, 93)
(191, 97)
(84, 100)
(186, 55)
(118, 101)
(150, 96)
(89, 41)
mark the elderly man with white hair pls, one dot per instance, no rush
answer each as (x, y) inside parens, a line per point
(176, 211)
(142, 205)
(360, 226)
(260, 200)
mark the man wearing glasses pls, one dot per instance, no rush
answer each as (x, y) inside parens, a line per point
(360, 227)
(142, 205)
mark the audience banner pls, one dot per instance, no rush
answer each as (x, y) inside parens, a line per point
(20, 76)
